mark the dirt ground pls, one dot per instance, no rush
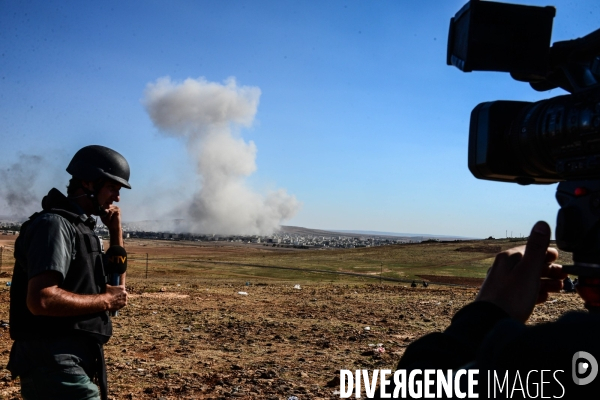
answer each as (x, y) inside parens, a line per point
(187, 337)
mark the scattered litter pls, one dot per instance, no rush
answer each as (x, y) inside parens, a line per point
(380, 350)
(336, 392)
(371, 344)
(178, 284)
(552, 301)
(292, 398)
(154, 312)
(297, 286)
(243, 293)
(188, 329)
(8, 283)
(367, 328)
(140, 370)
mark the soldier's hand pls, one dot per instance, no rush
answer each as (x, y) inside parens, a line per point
(514, 282)
(116, 297)
(112, 218)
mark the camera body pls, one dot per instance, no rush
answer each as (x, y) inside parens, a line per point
(552, 140)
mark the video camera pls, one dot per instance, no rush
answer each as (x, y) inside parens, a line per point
(549, 141)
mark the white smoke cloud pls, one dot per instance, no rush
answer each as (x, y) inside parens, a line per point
(209, 116)
(17, 187)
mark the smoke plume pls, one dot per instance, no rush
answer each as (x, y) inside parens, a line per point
(17, 183)
(209, 117)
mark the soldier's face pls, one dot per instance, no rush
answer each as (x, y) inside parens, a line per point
(108, 194)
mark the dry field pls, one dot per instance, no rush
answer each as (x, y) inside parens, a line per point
(187, 333)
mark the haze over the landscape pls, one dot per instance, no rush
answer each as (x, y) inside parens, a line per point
(241, 116)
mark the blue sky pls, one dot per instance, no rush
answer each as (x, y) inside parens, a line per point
(359, 116)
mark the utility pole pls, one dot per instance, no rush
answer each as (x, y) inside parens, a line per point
(380, 273)
(146, 265)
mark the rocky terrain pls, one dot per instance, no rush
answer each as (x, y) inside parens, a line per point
(186, 335)
(204, 340)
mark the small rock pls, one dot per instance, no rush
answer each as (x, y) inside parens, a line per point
(335, 382)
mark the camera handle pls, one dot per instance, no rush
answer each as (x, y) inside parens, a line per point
(578, 232)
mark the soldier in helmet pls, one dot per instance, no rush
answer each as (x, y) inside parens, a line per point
(59, 299)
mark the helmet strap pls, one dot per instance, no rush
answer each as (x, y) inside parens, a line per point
(93, 196)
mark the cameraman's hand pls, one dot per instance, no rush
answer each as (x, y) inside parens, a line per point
(514, 282)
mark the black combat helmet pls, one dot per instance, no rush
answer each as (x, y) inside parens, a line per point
(94, 162)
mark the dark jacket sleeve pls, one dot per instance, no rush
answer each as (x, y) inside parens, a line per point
(459, 343)
(483, 337)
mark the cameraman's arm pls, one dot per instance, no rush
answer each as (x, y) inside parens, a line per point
(513, 286)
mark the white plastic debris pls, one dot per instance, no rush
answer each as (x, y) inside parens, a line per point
(297, 286)
(367, 328)
(243, 293)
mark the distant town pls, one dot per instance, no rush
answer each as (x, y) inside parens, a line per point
(280, 239)
(292, 237)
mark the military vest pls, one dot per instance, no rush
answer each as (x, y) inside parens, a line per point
(85, 276)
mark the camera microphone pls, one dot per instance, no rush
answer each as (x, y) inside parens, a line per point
(116, 264)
